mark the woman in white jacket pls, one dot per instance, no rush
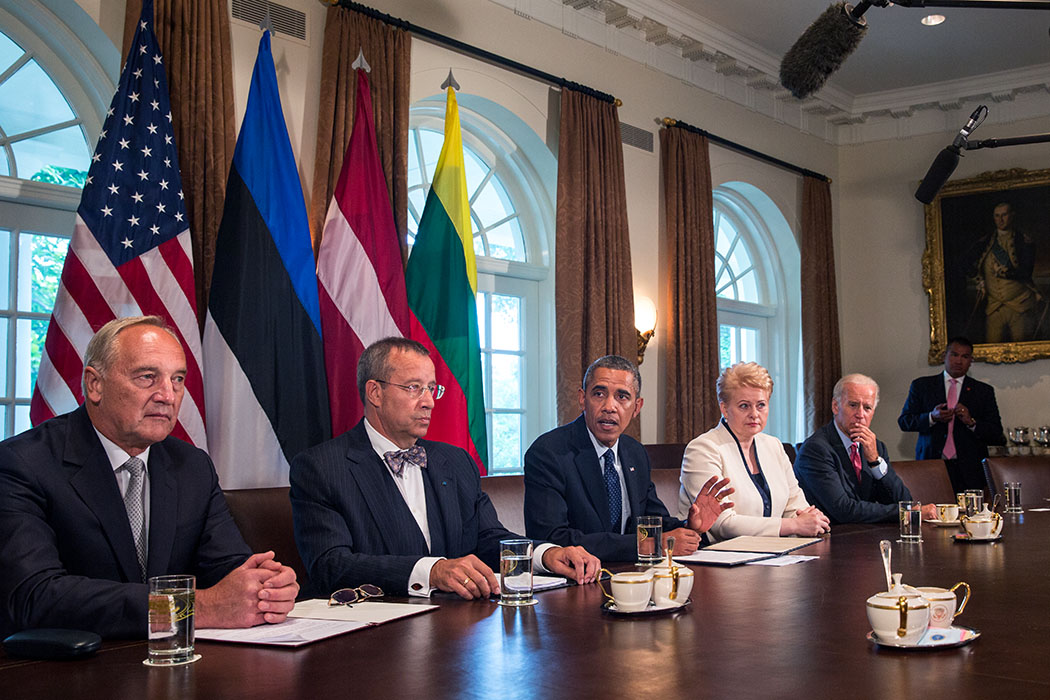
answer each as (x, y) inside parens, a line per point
(768, 498)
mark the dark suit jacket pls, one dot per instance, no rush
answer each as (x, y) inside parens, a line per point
(826, 475)
(352, 525)
(67, 558)
(565, 497)
(971, 446)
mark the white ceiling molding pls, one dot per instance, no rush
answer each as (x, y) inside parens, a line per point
(667, 38)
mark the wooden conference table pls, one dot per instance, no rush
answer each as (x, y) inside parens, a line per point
(751, 632)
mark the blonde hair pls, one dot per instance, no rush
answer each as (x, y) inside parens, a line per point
(749, 374)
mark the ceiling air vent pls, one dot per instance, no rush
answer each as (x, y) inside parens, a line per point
(637, 137)
(285, 20)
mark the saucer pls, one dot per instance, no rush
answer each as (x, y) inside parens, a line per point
(610, 607)
(963, 537)
(934, 638)
(941, 523)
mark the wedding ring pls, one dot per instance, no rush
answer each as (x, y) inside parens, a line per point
(466, 580)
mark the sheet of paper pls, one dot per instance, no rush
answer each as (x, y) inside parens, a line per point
(371, 612)
(769, 545)
(783, 560)
(291, 632)
(545, 583)
(706, 556)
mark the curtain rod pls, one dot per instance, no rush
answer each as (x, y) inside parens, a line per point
(669, 122)
(474, 51)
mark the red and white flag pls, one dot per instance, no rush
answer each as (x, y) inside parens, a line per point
(359, 270)
(130, 254)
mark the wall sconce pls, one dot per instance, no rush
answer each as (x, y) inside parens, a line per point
(644, 323)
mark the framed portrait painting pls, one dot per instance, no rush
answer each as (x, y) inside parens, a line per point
(986, 267)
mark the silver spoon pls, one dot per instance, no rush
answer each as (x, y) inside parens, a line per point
(884, 546)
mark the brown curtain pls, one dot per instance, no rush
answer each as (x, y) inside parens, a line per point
(691, 329)
(821, 356)
(387, 50)
(594, 292)
(194, 36)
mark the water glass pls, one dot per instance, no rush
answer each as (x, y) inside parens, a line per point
(650, 539)
(911, 521)
(1012, 496)
(974, 501)
(515, 569)
(171, 618)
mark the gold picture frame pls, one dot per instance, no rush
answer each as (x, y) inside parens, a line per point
(990, 285)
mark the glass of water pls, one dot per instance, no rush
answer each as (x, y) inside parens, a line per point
(1012, 495)
(171, 608)
(974, 501)
(515, 569)
(650, 539)
(911, 521)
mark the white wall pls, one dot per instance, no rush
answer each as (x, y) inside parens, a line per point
(878, 224)
(879, 244)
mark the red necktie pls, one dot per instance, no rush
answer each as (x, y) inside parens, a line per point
(854, 456)
(953, 398)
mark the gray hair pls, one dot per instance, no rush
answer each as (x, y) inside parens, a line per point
(614, 362)
(102, 346)
(855, 378)
(374, 362)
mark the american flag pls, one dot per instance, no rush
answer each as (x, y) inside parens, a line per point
(130, 252)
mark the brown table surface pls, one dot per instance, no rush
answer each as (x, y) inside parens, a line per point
(751, 631)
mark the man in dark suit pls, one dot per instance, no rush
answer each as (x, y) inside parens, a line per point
(381, 505)
(956, 417)
(844, 469)
(586, 482)
(95, 501)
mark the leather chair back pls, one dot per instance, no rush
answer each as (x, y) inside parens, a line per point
(1032, 471)
(927, 479)
(264, 517)
(507, 494)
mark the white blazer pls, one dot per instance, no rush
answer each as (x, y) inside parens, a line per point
(716, 453)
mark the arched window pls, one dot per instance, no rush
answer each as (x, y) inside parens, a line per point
(756, 264)
(54, 91)
(509, 173)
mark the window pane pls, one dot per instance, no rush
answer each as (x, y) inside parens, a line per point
(748, 288)
(748, 345)
(506, 322)
(40, 260)
(30, 100)
(475, 169)
(431, 142)
(4, 390)
(60, 157)
(506, 241)
(506, 442)
(415, 176)
(506, 381)
(3, 422)
(9, 52)
(25, 368)
(724, 239)
(725, 286)
(483, 316)
(21, 419)
(417, 199)
(740, 260)
(491, 204)
(5, 168)
(726, 346)
(5, 269)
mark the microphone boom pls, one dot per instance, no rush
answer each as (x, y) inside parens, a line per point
(822, 48)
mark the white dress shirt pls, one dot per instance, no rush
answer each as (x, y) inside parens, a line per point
(879, 470)
(117, 458)
(410, 484)
(600, 449)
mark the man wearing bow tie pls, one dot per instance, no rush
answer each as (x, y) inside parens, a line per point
(381, 505)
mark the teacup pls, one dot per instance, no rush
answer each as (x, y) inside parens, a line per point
(671, 585)
(984, 525)
(898, 619)
(631, 590)
(943, 601)
(948, 512)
